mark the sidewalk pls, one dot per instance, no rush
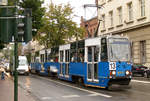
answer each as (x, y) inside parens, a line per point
(7, 91)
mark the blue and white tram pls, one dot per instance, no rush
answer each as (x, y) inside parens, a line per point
(35, 63)
(51, 65)
(99, 62)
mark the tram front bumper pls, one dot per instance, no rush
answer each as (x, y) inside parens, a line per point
(120, 80)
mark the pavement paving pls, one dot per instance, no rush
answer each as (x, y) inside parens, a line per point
(7, 91)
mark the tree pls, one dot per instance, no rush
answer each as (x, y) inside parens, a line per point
(58, 26)
(37, 12)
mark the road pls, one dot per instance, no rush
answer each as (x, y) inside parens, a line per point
(48, 89)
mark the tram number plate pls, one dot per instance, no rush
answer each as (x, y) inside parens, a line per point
(112, 66)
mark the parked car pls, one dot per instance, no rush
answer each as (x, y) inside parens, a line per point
(147, 72)
(139, 69)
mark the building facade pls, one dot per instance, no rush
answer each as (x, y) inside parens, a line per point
(131, 18)
(90, 26)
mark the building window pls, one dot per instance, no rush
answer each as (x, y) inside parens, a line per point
(143, 51)
(103, 21)
(142, 8)
(120, 15)
(130, 11)
(111, 18)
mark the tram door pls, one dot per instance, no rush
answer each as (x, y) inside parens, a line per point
(92, 63)
(42, 59)
(61, 62)
(67, 60)
(64, 59)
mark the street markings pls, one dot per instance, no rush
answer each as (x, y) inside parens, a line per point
(93, 94)
(46, 98)
(70, 96)
(146, 82)
(81, 89)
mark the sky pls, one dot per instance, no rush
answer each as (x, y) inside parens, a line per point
(78, 8)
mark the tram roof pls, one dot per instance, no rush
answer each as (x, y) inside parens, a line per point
(42, 51)
(64, 47)
(92, 41)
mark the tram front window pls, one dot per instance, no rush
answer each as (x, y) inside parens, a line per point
(119, 49)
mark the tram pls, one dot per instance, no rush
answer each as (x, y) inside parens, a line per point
(35, 65)
(99, 62)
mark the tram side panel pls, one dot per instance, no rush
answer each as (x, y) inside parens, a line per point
(77, 70)
(35, 67)
(51, 68)
(103, 73)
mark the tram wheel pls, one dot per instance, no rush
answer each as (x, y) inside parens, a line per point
(80, 81)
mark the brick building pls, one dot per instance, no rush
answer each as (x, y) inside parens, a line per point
(90, 26)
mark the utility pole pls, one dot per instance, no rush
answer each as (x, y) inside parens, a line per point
(16, 58)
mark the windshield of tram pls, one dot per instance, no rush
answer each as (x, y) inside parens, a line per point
(119, 49)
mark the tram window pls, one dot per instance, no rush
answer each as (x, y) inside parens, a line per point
(49, 57)
(61, 68)
(104, 56)
(67, 56)
(46, 56)
(96, 71)
(77, 51)
(89, 54)
(42, 57)
(67, 69)
(33, 59)
(80, 55)
(89, 71)
(74, 57)
(61, 56)
(96, 53)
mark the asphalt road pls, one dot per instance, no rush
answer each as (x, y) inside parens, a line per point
(48, 89)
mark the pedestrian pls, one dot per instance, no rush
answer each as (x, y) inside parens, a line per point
(74, 58)
(2, 75)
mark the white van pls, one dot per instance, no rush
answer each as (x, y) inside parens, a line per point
(23, 67)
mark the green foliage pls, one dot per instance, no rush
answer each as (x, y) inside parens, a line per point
(58, 26)
(37, 12)
(29, 58)
(11, 2)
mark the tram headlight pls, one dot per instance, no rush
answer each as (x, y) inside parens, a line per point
(127, 72)
(113, 72)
